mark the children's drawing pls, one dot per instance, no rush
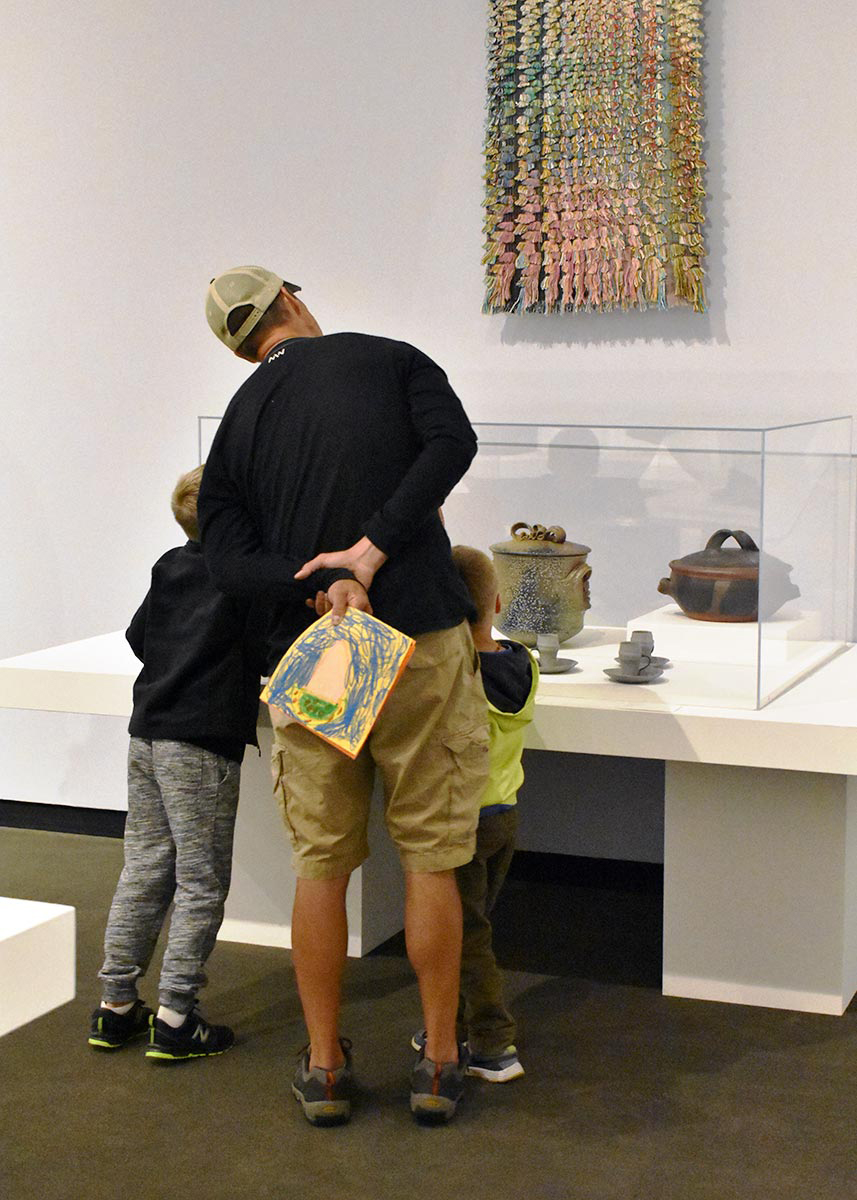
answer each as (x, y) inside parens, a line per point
(335, 678)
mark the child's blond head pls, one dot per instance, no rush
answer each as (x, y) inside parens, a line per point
(480, 578)
(184, 499)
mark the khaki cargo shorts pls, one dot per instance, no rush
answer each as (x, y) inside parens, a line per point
(430, 746)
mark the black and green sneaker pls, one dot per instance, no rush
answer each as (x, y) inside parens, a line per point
(436, 1088)
(194, 1038)
(325, 1096)
(109, 1030)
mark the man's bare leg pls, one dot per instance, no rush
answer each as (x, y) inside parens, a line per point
(319, 948)
(433, 937)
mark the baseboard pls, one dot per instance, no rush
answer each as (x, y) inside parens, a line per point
(689, 988)
(256, 933)
(261, 933)
(62, 818)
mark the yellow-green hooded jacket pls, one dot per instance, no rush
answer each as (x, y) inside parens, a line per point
(510, 678)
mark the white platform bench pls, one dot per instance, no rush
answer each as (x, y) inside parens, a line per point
(37, 960)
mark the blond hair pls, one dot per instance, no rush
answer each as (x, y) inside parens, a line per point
(480, 578)
(183, 502)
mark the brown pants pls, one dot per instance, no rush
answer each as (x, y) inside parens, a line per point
(483, 1019)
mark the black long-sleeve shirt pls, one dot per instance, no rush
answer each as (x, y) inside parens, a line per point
(330, 439)
(200, 656)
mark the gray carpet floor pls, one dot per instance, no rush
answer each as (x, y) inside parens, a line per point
(628, 1095)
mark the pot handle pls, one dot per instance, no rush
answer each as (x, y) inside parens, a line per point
(665, 587)
(581, 574)
(743, 539)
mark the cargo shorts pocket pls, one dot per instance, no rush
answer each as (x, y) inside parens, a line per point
(467, 751)
(281, 794)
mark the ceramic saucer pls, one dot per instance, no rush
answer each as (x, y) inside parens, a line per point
(654, 661)
(558, 667)
(649, 675)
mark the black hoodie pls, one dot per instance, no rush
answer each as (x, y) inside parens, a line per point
(200, 676)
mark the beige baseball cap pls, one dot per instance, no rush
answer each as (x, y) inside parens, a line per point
(234, 288)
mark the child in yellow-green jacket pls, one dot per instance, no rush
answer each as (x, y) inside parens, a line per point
(510, 676)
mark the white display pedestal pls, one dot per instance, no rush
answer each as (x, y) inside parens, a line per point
(760, 887)
(761, 819)
(728, 662)
(680, 637)
(96, 676)
(37, 960)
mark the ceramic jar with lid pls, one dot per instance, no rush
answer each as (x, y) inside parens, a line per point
(544, 583)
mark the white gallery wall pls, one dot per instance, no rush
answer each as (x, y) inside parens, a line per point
(148, 145)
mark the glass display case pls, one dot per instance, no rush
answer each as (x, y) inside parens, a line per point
(643, 499)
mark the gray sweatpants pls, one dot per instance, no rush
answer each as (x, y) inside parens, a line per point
(182, 803)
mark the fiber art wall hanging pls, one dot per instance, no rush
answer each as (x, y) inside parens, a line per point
(594, 175)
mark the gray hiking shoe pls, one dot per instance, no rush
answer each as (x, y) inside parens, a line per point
(325, 1096)
(496, 1068)
(436, 1088)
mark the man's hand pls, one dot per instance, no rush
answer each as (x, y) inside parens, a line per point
(362, 559)
(347, 593)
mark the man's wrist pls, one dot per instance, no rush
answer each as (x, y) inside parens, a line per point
(371, 555)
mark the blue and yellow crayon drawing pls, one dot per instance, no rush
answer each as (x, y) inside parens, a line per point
(335, 678)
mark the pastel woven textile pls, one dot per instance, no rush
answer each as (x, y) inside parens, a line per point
(594, 175)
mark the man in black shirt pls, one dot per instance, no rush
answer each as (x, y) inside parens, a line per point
(327, 474)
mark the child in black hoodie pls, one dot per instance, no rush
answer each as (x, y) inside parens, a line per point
(195, 706)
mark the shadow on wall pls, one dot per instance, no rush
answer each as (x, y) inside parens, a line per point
(675, 325)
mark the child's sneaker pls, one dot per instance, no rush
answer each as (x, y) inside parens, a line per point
(109, 1030)
(497, 1068)
(194, 1038)
(325, 1096)
(418, 1041)
(436, 1088)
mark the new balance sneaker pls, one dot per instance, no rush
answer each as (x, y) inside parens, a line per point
(109, 1030)
(194, 1038)
(436, 1088)
(496, 1068)
(325, 1096)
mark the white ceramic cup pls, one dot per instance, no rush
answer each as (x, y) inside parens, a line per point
(631, 657)
(644, 640)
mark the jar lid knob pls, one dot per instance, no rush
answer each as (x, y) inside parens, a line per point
(523, 532)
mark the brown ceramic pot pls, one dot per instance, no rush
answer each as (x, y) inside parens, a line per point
(717, 584)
